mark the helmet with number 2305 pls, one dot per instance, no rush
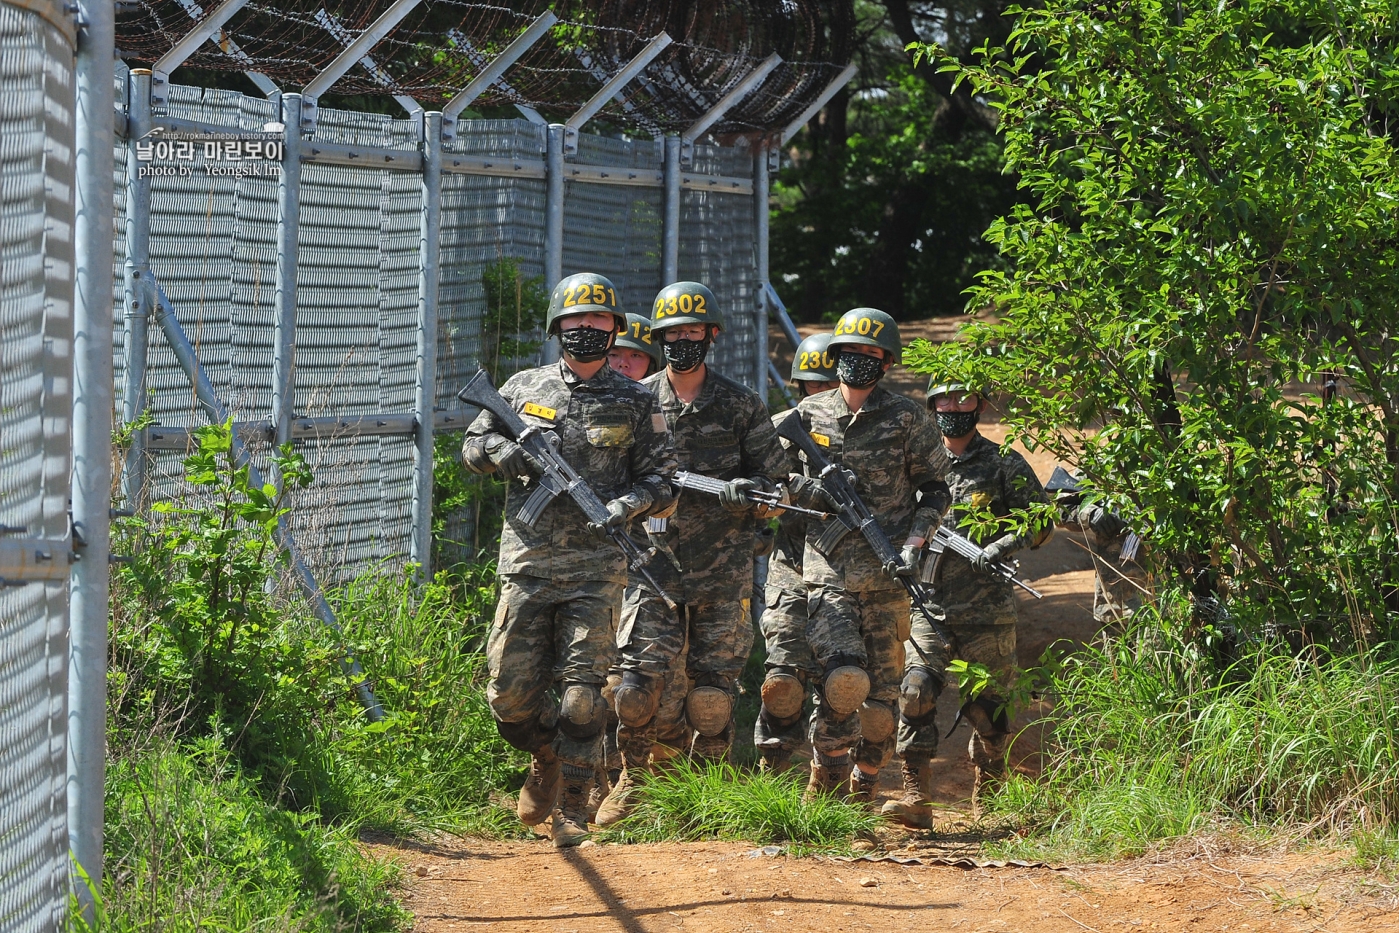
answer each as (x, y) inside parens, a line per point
(813, 361)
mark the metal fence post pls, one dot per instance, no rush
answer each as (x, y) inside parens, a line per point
(670, 237)
(136, 293)
(288, 232)
(553, 220)
(92, 448)
(760, 238)
(425, 391)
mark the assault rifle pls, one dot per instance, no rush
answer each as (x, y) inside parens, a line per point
(771, 500)
(958, 543)
(854, 514)
(556, 475)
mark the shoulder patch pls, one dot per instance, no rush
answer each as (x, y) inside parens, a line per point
(541, 411)
(658, 423)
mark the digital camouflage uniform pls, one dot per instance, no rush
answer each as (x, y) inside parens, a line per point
(855, 610)
(724, 433)
(560, 585)
(783, 626)
(979, 605)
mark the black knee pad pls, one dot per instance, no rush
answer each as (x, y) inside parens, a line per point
(636, 699)
(984, 716)
(527, 736)
(581, 714)
(918, 697)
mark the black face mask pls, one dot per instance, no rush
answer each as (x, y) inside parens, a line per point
(859, 371)
(586, 344)
(956, 423)
(684, 355)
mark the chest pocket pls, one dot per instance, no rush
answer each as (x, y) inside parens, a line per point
(712, 449)
(609, 429)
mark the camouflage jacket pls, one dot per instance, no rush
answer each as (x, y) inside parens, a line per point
(725, 433)
(611, 431)
(983, 477)
(785, 564)
(893, 448)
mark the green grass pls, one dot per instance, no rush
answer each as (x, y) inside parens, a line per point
(1152, 744)
(716, 801)
(193, 844)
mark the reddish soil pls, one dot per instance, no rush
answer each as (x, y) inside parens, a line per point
(1207, 885)
(529, 886)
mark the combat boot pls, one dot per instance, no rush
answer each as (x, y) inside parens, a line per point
(912, 808)
(541, 790)
(570, 819)
(602, 786)
(988, 754)
(828, 775)
(619, 802)
(862, 787)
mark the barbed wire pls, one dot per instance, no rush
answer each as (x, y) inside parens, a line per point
(441, 44)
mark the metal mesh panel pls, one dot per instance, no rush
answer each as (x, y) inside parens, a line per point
(484, 219)
(36, 295)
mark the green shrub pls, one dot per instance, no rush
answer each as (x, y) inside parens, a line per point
(1151, 743)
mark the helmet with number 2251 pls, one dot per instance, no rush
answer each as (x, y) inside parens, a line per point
(583, 293)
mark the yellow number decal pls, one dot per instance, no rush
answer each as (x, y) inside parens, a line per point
(659, 310)
(599, 295)
(699, 305)
(878, 326)
(687, 304)
(863, 327)
(613, 295)
(568, 297)
(636, 330)
(828, 361)
(670, 305)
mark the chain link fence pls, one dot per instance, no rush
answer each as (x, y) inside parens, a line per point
(36, 321)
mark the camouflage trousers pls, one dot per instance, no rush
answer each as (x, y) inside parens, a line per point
(869, 629)
(545, 637)
(711, 642)
(982, 634)
(783, 625)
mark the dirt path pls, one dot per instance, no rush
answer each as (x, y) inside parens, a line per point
(526, 886)
(529, 886)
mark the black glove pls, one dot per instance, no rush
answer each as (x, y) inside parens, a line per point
(617, 514)
(734, 495)
(905, 566)
(991, 555)
(512, 462)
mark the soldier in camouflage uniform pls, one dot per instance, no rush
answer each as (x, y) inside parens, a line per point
(790, 665)
(561, 580)
(858, 613)
(1119, 579)
(680, 675)
(635, 355)
(978, 601)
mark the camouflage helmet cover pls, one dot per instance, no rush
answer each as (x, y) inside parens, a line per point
(685, 303)
(868, 327)
(813, 361)
(583, 293)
